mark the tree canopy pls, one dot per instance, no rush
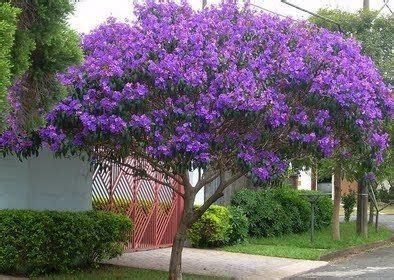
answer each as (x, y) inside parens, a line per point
(190, 88)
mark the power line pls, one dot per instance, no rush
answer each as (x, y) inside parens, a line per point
(385, 5)
(313, 14)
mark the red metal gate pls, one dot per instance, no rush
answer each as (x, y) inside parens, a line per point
(154, 209)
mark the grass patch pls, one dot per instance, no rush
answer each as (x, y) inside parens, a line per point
(298, 246)
(124, 273)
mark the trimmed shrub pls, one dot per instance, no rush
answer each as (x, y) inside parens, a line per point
(212, 229)
(39, 242)
(239, 225)
(349, 201)
(280, 211)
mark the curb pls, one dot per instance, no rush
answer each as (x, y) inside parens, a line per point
(356, 250)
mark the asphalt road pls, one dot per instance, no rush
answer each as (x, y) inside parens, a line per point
(387, 220)
(375, 264)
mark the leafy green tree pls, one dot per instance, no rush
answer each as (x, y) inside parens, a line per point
(41, 46)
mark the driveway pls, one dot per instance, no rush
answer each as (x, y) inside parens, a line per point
(218, 263)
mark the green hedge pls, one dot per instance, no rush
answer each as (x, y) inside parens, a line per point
(280, 211)
(39, 242)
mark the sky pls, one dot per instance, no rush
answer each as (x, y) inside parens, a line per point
(90, 13)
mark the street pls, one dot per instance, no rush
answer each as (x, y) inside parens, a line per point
(375, 264)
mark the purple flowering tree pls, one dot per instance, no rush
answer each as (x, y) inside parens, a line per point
(225, 90)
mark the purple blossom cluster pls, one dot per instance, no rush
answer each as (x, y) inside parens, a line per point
(220, 84)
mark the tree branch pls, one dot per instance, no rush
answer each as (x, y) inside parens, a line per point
(217, 194)
(206, 180)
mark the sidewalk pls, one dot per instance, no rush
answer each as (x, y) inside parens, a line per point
(218, 263)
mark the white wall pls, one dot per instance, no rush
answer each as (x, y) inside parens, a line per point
(305, 178)
(45, 183)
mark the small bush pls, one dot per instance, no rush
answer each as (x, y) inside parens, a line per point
(280, 211)
(212, 229)
(39, 242)
(239, 225)
(349, 201)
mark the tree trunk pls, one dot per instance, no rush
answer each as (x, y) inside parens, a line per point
(337, 202)
(294, 180)
(314, 177)
(175, 271)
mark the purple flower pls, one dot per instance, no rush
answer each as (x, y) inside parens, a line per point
(370, 176)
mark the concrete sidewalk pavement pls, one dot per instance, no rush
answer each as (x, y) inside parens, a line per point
(218, 263)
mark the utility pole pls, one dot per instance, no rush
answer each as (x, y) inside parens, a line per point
(365, 5)
(362, 191)
(204, 3)
(362, 208)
